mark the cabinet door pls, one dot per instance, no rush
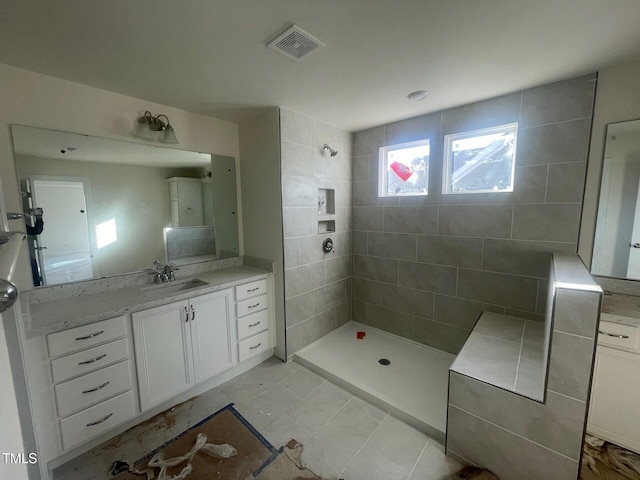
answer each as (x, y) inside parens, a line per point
(163, 352)
(614, 413)
(211, 334)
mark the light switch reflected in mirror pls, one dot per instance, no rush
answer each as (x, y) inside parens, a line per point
(107, 204)
(616, 251)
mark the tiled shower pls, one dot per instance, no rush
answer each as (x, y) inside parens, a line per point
(425, 267)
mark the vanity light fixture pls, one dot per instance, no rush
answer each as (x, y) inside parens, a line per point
(148, 123)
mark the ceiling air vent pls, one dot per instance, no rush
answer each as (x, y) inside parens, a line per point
(294, 43)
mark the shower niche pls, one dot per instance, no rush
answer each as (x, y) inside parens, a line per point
(326, 207)
(326, 201)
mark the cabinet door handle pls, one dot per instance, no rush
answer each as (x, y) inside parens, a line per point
(254, 306)
(90, 336)
(254, 324)
(93, 359)
(100, 421)
(186, 314)
(251, 290)
(255, 346)
(613, 334)
(193, 313)
(99, 387)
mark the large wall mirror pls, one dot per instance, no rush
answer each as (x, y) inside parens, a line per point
(616, 250)
(111, 207)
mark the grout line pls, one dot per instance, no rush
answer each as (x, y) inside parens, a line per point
(364, 444)
(546, 185)
(524, 327)
(429, 439)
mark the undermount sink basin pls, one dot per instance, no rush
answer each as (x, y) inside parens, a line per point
(170, 288)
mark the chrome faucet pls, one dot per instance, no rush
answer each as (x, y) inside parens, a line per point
(164, 274)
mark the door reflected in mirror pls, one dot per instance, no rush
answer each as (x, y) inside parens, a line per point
(616, 251)
(107, 203)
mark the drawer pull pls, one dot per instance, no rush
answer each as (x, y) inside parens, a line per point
(90, 336)
(254, 306)
(99, 387)
(255, 346)
(193, 313)
(93, 359)
(254, 324)
(251, 290)
(613, 334)
(97, 422)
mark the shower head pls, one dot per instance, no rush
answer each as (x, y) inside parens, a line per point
(331, 150)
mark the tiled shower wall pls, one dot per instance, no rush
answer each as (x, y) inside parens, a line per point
(317, 284)
(425, 267)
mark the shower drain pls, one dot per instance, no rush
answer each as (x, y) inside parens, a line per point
(384, 361)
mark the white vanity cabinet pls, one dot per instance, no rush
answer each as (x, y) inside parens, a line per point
(93, 379)
(254, 313)
(180, 344)
(614, 411)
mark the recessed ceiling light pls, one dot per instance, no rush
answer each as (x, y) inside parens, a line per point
(418, 95)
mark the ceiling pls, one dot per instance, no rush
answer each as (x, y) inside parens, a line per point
(209, 56)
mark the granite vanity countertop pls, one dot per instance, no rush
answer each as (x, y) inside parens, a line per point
(621, 309)
(55, 315)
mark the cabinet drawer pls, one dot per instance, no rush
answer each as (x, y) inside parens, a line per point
(68, 341)
(97, 419)
(93, 387)
(252, 305)
(252, 324)
(252, 289)
(88, 360)
(618, 335)
(253, 345)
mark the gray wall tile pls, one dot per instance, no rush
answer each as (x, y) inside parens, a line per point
(522, 257)
(343, 313)
(459, 312)
(367, 218)
(454, 251)
(359, 243)
(366, 194)
(554, 222)
(499, 289)
(416, 128)
(299, 192)
(411, 219)
(374, 268)
(311, 249)
(507, 455)
(475, 220)
(318, 326)
(570, 365)
(365, 168)
(291, 252)
(389, 320)
(556, 425)
(303, 279)
(298, 309)
(297, 222)
(557, 143)
(338, 268)
(488, 113)
(566, 182)
(294, 127)
(329, 296)
(443, 337)
(407, 300)
(401, 246)
(558, 102)
(432, 278)
(367, 290)
(576, 312)
(368, 141)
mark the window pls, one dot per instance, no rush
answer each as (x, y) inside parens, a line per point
(404, 169)
(480, 161)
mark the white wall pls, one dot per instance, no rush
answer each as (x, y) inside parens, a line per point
(29, 98)
(617, 100)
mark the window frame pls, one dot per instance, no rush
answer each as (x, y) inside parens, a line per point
(447, 156)
(382, 167)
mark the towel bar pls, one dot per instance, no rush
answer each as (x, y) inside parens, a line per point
(10, 243)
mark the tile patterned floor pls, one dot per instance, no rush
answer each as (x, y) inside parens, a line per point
(344, 436)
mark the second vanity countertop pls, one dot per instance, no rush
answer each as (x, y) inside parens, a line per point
(52, 316)
(620, 308)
